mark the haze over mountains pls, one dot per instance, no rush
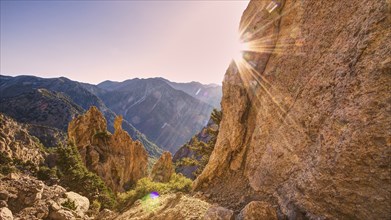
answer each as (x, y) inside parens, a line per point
(154, 111)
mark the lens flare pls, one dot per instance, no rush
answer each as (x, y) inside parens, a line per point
(150, 202)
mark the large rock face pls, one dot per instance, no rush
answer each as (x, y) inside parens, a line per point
(118, 159)
(306, 116)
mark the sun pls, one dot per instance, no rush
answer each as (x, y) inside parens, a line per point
(239, 47)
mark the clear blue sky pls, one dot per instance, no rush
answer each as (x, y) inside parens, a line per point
(92, 41)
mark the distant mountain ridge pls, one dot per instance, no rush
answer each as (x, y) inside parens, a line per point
(155, 110)
(12, 87)
(167, 116)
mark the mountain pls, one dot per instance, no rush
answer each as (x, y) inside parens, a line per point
(210, 94)
(306, 124)
(167, 116)
(53, 102)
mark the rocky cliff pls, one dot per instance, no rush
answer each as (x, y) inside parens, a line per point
(306, 113)
(118, 159)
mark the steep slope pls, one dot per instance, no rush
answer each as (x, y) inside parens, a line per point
(46, 113)
(210, 94)
(116, 158)
(17, 143)
(54, 102)
(166, 116)
(188, 157)
(306, 117)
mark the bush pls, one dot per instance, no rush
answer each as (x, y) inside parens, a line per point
(75, 176)
(45, 173)
(69, 204)
(177, 183)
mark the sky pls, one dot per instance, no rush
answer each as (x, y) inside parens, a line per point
(93, 41)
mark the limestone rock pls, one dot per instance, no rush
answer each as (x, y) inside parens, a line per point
(218, 213)
(306, 122)
(6, 214)
(163, 168)
(29, 198)
(17, 143)
(82, 203)
(61, 214)
(257, 210)
(116, 158)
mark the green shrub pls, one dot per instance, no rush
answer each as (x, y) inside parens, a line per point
(95, 207)
(69, 204)
(45, 173)
(6, 169)
(144, 186)
(74, 175)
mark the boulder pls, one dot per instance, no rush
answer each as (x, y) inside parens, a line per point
(61, 214)
(257, 210)
(218, 213)
(6, 214)
(82, 203)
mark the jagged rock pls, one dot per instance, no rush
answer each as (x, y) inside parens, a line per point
(116, 158)
(257, 210)
(163, 168)
(6, 214)
(218, 213)
(306, 122)
(17, 143)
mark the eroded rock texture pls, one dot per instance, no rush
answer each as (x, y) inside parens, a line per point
(307, 115)
(163, 168)
(17, 143)
(118, 159)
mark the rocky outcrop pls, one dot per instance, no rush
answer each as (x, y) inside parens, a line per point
(116, 158)
(163, 168)
(257, 210)
(306, 113)
(17, 143)
(24, 197)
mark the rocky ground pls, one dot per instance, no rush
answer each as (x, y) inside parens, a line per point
(24, 197)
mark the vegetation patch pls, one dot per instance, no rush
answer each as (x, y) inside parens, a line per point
(177, 183)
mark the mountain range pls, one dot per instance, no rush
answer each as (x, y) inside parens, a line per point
(155, 113)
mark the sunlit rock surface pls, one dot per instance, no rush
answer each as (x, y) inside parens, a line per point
(306, 116)
(163, 168)
(116, 158)
(17, 143)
